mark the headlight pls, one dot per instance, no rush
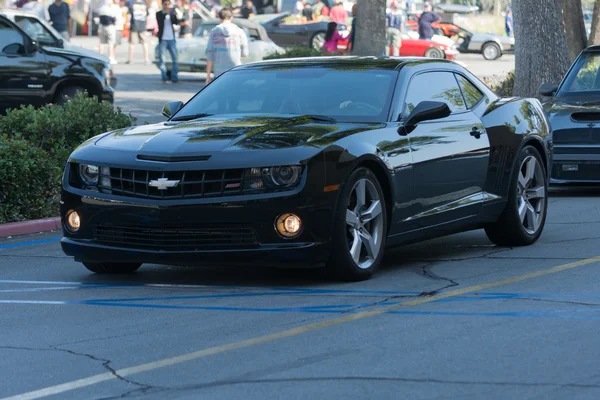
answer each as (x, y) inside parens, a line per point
(89, 174)
(273, 177)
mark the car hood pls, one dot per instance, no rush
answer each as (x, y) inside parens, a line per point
(72, 50)
(223, 136)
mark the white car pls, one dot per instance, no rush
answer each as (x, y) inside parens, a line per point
(192, 52)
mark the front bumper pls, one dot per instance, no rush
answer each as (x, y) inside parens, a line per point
(151, 220)
(579, 168)
(108, 93)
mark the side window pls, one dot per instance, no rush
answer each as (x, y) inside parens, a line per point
(11, 40)
(470, 92)
(434, 86)
(35, 30)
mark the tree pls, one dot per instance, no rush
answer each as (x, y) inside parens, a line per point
(369, 39)
(540, 45)
(595, 34)
(574, 27)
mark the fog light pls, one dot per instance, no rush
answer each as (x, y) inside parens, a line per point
(288, 225)
(73, 221)
(570, 167)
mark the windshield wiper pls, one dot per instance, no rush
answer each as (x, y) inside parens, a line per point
(190, 117)
(320, 118)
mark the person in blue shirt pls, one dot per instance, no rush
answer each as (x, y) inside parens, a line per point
(425, 21)
(509, 23)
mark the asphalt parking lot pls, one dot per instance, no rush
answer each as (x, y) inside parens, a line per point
(451, 318)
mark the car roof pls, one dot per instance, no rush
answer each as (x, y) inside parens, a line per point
(346, 61)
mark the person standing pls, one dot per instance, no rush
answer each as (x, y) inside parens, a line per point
(138, 31)
(307, 13)
(37, 8)
(338, 14)
(227, 44)
(108, 14)
(166, 20)
(509, 23)
(248, 10)
(428, 18)
(320, 10)
(187, 16)
(394, 30)
(60, 16)
(122, 12)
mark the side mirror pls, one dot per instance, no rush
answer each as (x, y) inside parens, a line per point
(548, 89)
(426, 111)
(33, 46)
(171, 108)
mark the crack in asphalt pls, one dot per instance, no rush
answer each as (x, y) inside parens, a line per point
(381, 379)
(427, 273)
(576, 303)
(105, 364)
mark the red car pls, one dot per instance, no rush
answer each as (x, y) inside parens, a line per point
(419, 48)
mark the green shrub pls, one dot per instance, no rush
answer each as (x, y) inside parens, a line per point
(502, 86)
(29, 182)
(59, 129)
(34, 147)
(296, 52)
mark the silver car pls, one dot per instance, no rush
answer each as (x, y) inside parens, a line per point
(490, 45)
(192, 52)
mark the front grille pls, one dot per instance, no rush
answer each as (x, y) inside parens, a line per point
(182, 184)
(176, 238)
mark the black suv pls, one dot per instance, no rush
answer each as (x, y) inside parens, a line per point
(38, 67)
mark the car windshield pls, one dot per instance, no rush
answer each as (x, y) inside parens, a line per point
(583, 77)
(347, 94)
(37, 30)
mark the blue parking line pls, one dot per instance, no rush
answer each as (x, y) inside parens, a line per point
(30, 243)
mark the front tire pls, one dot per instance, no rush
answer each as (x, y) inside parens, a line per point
(522, 221)
(360, 228)
(491, 51)
(68, 92)
(434, 52)
(112, 268)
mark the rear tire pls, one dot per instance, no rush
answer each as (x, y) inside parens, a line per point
(360, 228)
(317, 40)
(112, 268)
(68, 92)
(529, 193)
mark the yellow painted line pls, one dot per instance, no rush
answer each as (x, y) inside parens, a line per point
(92, 380)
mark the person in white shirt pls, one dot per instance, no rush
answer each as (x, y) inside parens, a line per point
(37, 8)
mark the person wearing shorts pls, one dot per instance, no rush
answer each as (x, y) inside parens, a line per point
(108, 29)
(138, 32)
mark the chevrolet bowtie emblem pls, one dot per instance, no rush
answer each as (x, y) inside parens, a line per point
(163, 183)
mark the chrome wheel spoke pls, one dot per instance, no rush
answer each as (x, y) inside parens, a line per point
(532, 217)
(522, 211)
(372, 212)
(369, 244)
(356, 246)
(360, 191)
(352, 219)
(536, 193)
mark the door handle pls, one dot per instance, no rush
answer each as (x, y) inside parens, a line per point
(476, 132)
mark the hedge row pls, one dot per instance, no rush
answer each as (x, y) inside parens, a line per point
(34, 147)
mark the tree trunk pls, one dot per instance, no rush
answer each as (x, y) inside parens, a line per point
(498, 7)
(595, 35)
(541, 54)
(574, 27)
(369, 39)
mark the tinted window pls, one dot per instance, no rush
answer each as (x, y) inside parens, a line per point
(35, 30)
(470, 92)
(348, 95)
(584, 75)
(11, 40)
(434, 86)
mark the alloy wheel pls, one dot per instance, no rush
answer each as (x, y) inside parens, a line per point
(364, 220)
(490, 52)
(318, 41)
(531, 194)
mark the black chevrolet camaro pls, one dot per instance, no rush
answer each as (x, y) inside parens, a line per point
(319, 162)
(573, 109)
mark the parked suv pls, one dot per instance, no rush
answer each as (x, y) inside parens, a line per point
(38, 67)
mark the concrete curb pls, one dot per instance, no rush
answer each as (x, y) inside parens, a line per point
(27, 227)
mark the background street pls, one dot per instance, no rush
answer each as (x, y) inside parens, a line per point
(464, 319)
(141, 92)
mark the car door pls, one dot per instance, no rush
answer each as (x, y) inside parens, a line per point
(450, 155)
(23, 69)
